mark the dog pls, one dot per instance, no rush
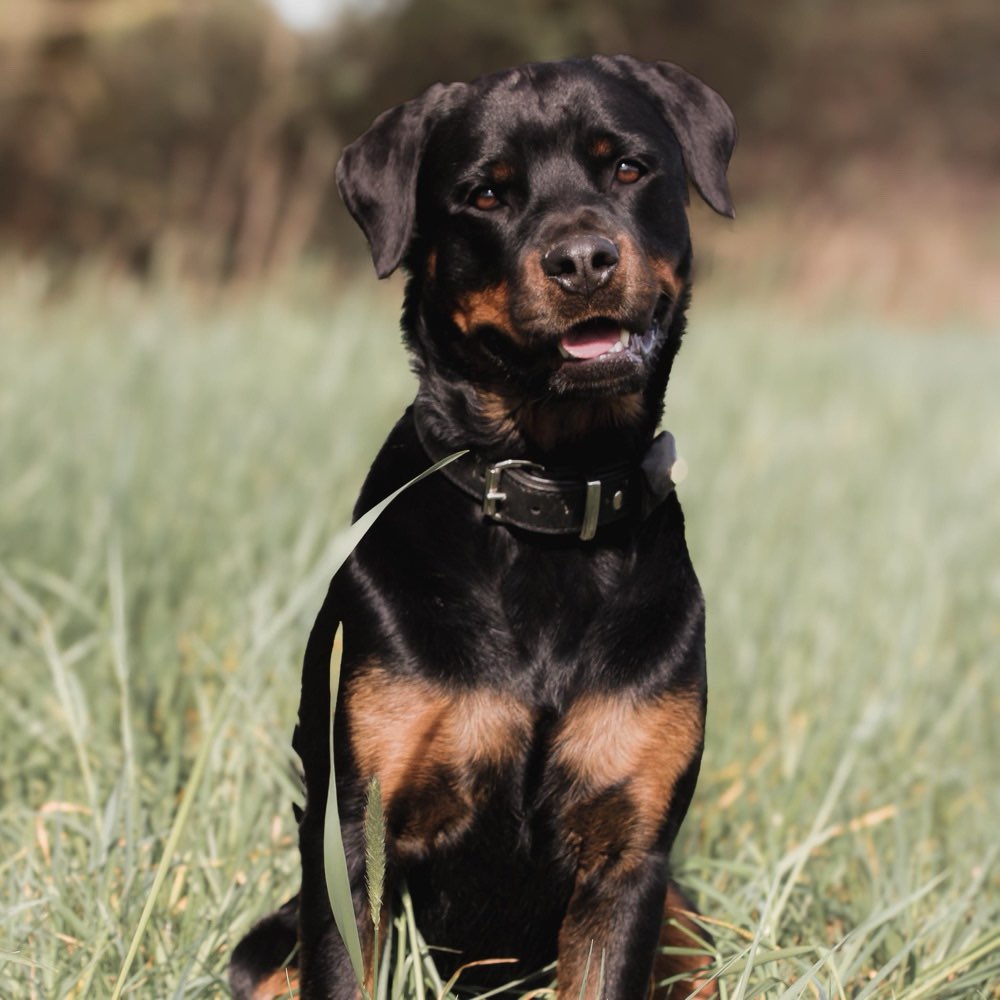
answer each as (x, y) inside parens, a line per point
(523, 656)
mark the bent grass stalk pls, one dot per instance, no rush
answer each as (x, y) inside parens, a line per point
(338, 883)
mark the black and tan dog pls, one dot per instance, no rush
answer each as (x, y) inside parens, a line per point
(523, 663)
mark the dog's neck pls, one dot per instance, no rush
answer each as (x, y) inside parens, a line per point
(563, 433)
(558, 499)
(498, 423)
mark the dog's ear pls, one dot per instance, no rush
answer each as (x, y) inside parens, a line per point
(698, 116)
(377, 173)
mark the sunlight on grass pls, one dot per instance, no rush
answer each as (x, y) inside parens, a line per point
(176, 475)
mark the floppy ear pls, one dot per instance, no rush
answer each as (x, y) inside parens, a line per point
(701, 120)
(377, 174)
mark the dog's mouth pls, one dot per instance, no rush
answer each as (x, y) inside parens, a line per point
(600, 355)
(600, 340)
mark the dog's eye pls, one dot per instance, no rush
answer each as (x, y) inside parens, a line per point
(628, 172)
(485, 199)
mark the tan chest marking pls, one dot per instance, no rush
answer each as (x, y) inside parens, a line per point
(644, 747)
(405, 730)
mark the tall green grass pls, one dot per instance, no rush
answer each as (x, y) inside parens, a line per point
(173, 477)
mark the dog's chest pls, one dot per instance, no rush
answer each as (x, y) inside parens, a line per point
(528, 689)
(449, 760)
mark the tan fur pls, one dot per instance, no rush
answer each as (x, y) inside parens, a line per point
(405, 729)
(551, 422)
(601, 147)
(488, 307)
(642, 748)
(502, 172)
(668, 278)
(278, 986)
(680, 931)
(607, 740)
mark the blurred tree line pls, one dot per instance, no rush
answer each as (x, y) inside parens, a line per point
(201, 135)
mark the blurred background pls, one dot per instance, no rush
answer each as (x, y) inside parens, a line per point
(196, 139)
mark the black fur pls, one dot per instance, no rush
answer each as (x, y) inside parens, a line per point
(516, 840)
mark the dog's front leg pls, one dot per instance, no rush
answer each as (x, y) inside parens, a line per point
(632, 765)
(609, 934)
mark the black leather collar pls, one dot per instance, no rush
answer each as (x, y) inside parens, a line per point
(561, 502)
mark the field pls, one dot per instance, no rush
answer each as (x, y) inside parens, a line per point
(175, 473)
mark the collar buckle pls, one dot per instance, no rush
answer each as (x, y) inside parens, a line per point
(494, 473)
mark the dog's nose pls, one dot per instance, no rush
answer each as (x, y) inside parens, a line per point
(582, 263)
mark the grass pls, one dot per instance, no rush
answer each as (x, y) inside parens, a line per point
(174, 477)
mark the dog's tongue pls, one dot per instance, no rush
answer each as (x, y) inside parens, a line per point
(590, 341)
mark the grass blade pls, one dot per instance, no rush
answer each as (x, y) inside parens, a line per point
(375, 867)
(173, 839)
(338, 883)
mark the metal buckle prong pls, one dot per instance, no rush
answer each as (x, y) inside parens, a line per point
(591, 510)
(494, 473)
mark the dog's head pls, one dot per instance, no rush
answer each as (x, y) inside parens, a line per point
(540, 213)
